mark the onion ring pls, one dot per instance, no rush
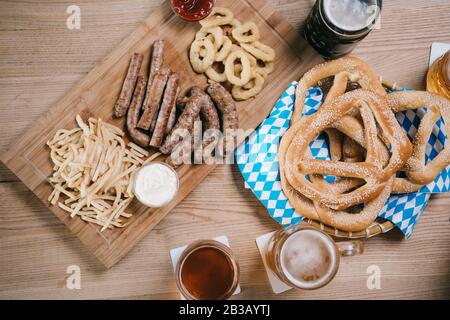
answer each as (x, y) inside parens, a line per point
(249, 90)
(259, 51)
(266, 70)
(201, 65)
(224, 50)
(240, 33)
(219, 16)
(216, 33)
(214, 75)
(246, 68)
(253, 61)
(228, 28)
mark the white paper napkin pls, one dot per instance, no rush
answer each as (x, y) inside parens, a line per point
(437, 50)
(277, 285)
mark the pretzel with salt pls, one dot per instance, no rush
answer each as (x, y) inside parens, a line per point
(351, 150)
(297, 168)
(345, 69)
(342, 220)
(339, 219)
(418, 174)
(350, 221)
(349, 68)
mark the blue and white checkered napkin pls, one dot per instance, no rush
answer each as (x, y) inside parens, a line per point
(257, 161)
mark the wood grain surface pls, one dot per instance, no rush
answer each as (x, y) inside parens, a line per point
(40, 60)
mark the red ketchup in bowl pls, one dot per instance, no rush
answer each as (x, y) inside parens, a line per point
(192, 10)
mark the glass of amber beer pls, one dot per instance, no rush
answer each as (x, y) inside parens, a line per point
(207, 270)
(438, 77)
(306, 258)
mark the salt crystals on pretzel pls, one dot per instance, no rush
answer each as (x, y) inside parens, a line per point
(94, 169)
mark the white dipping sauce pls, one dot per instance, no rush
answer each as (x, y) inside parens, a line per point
(156, 185)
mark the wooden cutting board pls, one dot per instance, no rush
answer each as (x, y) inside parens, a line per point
(97, 92)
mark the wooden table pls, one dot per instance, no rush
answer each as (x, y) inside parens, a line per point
(40, 60)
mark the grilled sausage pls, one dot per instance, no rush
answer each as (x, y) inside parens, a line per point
(185, 122)
(173, 115)
(181, 103)
(227, 107)
(210, 119)
(153, 99)
(157, 60)
(208, 112)
(123, 103)
(170, 96)
(133, 114)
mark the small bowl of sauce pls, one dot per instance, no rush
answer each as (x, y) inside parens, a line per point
(156, 184)
(192, 10)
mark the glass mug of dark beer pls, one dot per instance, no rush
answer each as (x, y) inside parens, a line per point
(306, 258)
(334, 27)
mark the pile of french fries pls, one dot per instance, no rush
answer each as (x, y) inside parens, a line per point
(94, 169)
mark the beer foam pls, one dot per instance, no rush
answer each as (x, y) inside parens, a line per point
(308, 258)
(351, 15)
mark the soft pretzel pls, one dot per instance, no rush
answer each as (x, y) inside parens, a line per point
(294, 146)
(351, 127)
(352, 151)
(304, 205)
(335, 143)
(346, 221)
(335, 137)
(342, 220)
(344, 70)
(404, 185)
(365, 135)
(349, 221)
(352, 68)
(417, 172)
(339, 219)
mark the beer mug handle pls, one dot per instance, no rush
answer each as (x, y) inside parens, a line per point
(350, 248)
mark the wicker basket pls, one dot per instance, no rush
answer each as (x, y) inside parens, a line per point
(376, 228)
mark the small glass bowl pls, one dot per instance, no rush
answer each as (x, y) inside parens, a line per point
(168, 201)
(186, 18)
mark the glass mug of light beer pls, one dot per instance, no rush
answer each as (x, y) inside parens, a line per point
(306, 258)
(334, 27)
(207, 270)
